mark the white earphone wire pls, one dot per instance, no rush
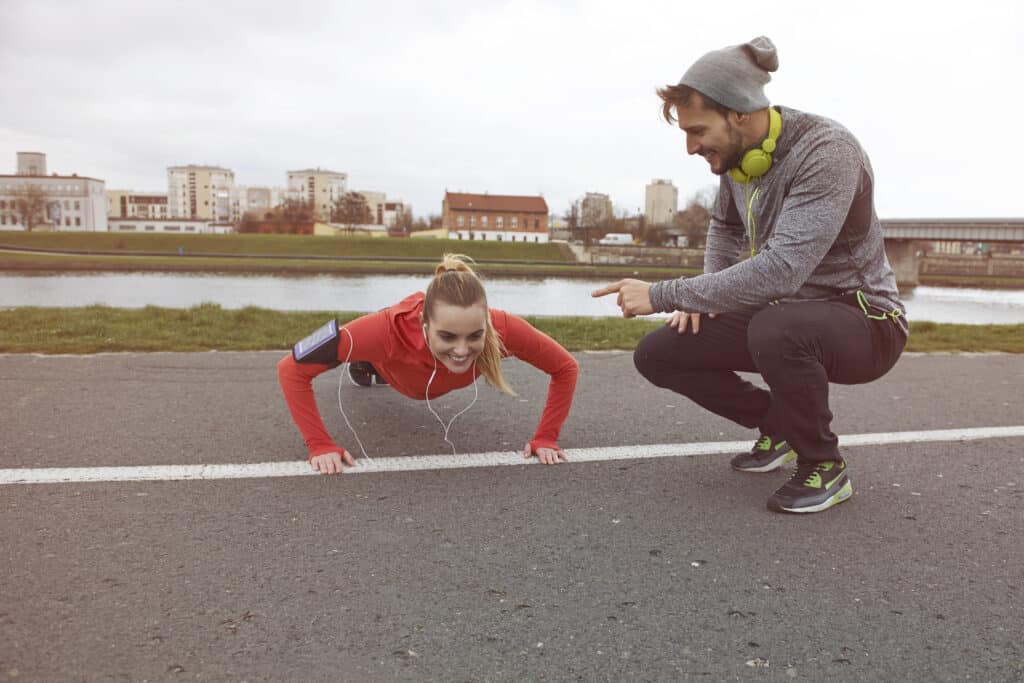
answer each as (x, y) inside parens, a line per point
(341, 378)
(426, 395)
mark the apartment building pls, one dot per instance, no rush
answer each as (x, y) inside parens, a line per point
(318, 187)
(494, 217)
(50, 202)
(661, 202)
(255, 200)
(203, 192)
(382, 210)
(131, 204)
(595, 210)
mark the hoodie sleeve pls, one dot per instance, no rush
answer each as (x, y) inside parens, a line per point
(296, 379)
(529, 344)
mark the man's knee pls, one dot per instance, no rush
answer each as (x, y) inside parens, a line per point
(645, 357)
(767, 332)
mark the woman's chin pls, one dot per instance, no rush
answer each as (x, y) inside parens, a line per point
(457, 368)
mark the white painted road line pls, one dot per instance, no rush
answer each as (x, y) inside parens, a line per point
(67, 475)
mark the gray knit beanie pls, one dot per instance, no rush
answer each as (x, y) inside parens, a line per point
(735, 76)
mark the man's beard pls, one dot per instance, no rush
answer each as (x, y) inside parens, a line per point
(732, 155)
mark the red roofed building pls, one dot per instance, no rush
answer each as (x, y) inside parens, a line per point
(494, 217)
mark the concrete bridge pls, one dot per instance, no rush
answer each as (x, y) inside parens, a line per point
(902, 238)
(901, 234)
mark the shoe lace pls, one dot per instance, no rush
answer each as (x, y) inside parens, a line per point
(809, 473)
(806, 472)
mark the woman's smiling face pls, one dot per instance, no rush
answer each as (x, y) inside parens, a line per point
(455, 334)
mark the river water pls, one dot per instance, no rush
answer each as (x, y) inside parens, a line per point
(522, 296)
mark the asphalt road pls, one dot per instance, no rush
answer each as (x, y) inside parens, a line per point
(632, 570)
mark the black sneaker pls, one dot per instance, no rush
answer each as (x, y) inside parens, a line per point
(815, 486)
(769, 453)
(364, 374)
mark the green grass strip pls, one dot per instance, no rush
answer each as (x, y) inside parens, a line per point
(282, 245)
(208, 327)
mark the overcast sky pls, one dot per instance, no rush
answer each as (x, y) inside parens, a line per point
(520, 97)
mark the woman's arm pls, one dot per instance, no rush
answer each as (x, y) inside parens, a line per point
(361, 339)
(529, 344)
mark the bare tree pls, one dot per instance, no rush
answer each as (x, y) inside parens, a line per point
(291, 217)
(573, 221)
(351, 209)
(572, 216)
(404, 219)
(30, 206)
(693, 221)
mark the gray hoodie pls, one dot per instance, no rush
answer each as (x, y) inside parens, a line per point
(815, 232)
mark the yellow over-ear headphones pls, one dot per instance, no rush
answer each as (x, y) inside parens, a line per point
(757, 162)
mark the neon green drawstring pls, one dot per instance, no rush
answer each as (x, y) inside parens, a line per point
(862, 301)
(750, 197)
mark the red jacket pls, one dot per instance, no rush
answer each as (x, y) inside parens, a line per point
(392, 340)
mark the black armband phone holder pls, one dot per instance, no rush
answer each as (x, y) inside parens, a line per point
(319, 347)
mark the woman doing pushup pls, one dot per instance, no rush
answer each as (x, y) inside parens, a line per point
(425, 346)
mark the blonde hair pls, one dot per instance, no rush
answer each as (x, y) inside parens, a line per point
(455, 283)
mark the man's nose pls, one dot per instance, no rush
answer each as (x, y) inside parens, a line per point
(692, 146)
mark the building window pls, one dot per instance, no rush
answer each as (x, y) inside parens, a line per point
(472, 221)
(460, 221)
(78, 221)
(3, 204)
(483, 221)
(67, 205)
(78, 205)
(515, 222)
(499, 222)
(150, 228)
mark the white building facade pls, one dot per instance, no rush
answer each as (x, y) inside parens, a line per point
(65, 203)
(176, 226)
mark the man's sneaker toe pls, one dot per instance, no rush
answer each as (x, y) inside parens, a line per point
(768, 453)
(814, 487)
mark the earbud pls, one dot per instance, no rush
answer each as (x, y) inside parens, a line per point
(757, 162)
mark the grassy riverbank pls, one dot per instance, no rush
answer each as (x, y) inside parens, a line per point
(208, 327)
(296, 255)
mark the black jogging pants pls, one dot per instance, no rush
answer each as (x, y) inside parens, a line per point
(797, 347)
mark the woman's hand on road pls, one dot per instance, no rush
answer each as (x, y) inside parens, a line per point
(330, 463)
(547, 456)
